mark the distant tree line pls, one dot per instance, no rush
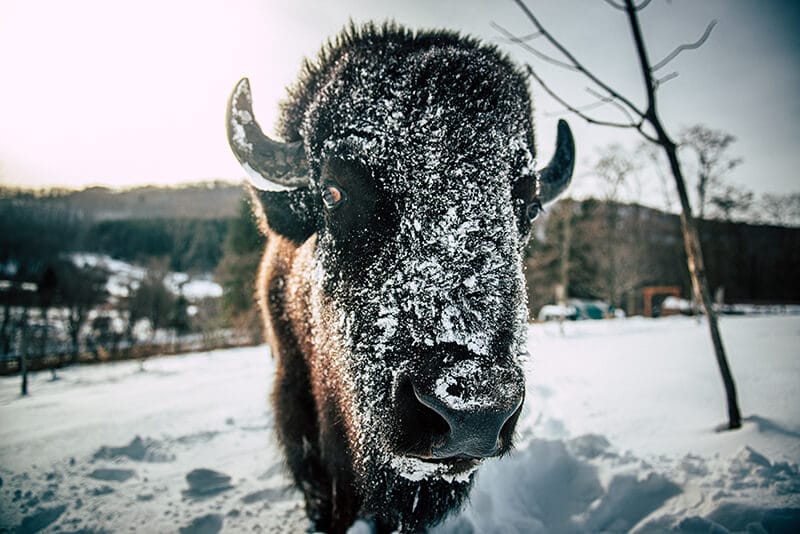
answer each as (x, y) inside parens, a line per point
(193, 245)
(611, 250)
(32, 227)
(56, 309)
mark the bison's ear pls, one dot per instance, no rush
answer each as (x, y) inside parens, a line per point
(532, 192)
(278, 172)
(291, 214)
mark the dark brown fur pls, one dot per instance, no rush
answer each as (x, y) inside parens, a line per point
(320, 463)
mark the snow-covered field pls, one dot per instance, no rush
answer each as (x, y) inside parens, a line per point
(618, 434)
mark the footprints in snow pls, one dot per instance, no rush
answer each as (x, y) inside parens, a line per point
(206, 524)
(140, 475)
(112, 475)
(206, 483)
(139, 450)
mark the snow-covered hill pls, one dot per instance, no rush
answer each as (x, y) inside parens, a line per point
(618, 434)
(123, 276)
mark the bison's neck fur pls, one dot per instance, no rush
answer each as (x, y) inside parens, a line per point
(308, 428)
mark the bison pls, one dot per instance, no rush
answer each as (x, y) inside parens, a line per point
(392, 290)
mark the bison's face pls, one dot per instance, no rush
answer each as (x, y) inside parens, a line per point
(420, 294)
(420, 191)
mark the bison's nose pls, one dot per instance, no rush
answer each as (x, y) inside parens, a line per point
(458, 416)
(473, 430)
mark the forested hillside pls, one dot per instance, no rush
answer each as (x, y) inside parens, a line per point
(187, 225)
(208, 200)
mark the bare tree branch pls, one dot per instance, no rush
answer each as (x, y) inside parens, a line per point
(600, 102)
(538, 53)
(690, 46)
(633, 125)
(515, 39)
(613, 101)
(647, 74)
(587, 107)
(578, 66)
(615, 5)
(621, 7)
(664, 79)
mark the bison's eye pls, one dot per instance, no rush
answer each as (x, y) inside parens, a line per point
(533, 210)
(333, 196)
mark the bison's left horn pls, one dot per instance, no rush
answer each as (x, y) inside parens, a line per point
(271, 165)
(555, 178)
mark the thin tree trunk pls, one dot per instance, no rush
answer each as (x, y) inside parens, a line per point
(23, 352)
(691, 240)
(43, 338)
(5, 336)
(75, 323)
(697, 272)
(75, 347)
(566, 244)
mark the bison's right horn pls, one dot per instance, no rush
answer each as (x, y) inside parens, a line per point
(555, 178)
(270, 165)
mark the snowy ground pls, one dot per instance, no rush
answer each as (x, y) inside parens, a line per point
(618, 434)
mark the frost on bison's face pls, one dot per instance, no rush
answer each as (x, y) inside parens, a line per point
(392, 285)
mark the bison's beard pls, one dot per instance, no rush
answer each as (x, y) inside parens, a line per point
(397, 502)
(397, 491)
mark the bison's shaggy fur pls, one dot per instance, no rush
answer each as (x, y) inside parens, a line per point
(396, 307)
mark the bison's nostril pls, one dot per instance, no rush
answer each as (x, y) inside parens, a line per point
(507, 432)
(456, 390)
(420, 428)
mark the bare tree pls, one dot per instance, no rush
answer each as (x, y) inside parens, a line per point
(81, 289)
(710, 148)
(151, 300)
(617, 171)
(647, 122)
(731, 202)
(653, 155)
(778, 209)
(617, 247)
(549, 256)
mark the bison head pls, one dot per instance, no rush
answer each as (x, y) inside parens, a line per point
(408, 186)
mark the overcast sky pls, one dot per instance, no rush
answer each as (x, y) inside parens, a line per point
(126, 93)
